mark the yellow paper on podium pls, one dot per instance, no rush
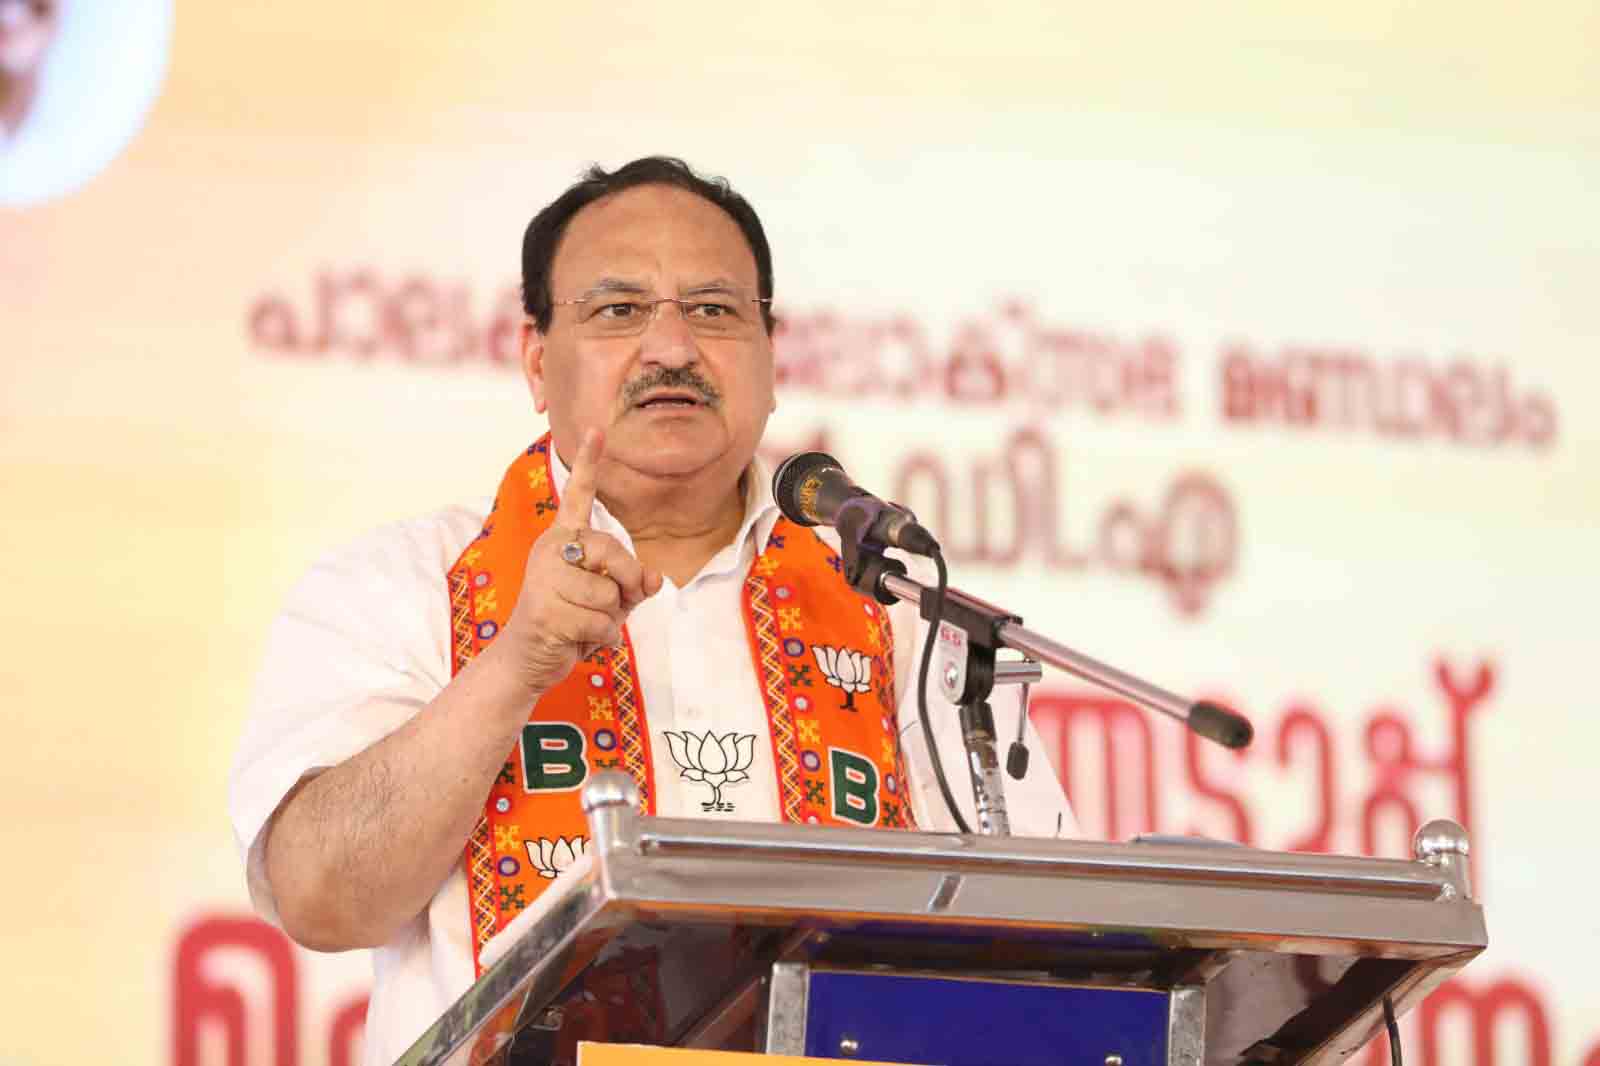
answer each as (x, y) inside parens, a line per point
(590, 1054)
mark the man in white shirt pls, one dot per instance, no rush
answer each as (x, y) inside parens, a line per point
(653, 563)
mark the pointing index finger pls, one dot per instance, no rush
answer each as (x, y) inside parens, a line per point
(577, 502)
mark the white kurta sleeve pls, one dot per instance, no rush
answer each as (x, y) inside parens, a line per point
(362, 644)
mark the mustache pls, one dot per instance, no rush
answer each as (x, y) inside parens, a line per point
(671, 377)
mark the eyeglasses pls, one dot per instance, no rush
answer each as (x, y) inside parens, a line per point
(627, 313)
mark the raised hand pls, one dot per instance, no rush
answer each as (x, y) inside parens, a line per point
(579, 586)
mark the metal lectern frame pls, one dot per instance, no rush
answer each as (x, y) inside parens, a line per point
(1275, 958)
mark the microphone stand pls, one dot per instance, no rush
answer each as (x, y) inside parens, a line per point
(971, 631)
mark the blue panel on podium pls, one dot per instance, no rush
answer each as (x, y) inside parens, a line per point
(900, 1018)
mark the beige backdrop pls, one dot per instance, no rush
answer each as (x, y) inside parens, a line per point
(1264, 339)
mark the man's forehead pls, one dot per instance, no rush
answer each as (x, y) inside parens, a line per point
(651, 228)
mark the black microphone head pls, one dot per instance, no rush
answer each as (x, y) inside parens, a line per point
(791, 475)
(1215, 722)
(1017, 761)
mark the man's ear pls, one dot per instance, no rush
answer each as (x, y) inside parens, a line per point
(772, 381)
(532, 343)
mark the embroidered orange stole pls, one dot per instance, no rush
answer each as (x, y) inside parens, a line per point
(823, 656)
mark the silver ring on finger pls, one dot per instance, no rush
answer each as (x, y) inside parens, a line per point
(572, 551)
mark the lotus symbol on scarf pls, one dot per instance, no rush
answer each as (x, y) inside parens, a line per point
(846, 669)
(550, 857)
(718, 761)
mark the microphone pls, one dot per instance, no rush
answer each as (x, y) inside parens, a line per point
(812, 489)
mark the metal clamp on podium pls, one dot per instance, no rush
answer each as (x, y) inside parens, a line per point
(920, 947)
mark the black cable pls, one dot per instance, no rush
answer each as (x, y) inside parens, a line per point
(1394, 1031)
(922, 694)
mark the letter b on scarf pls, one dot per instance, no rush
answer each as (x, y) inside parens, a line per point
(855, 786)
(552, 757)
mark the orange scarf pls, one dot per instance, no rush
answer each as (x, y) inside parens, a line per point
(823, 657)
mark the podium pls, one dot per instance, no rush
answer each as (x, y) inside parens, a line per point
(935, 948)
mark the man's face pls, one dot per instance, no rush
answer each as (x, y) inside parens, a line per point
(26, 27)
(677, 398)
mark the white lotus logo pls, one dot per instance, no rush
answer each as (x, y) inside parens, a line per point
(718, 761)
(550, 857)
(845, 669)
